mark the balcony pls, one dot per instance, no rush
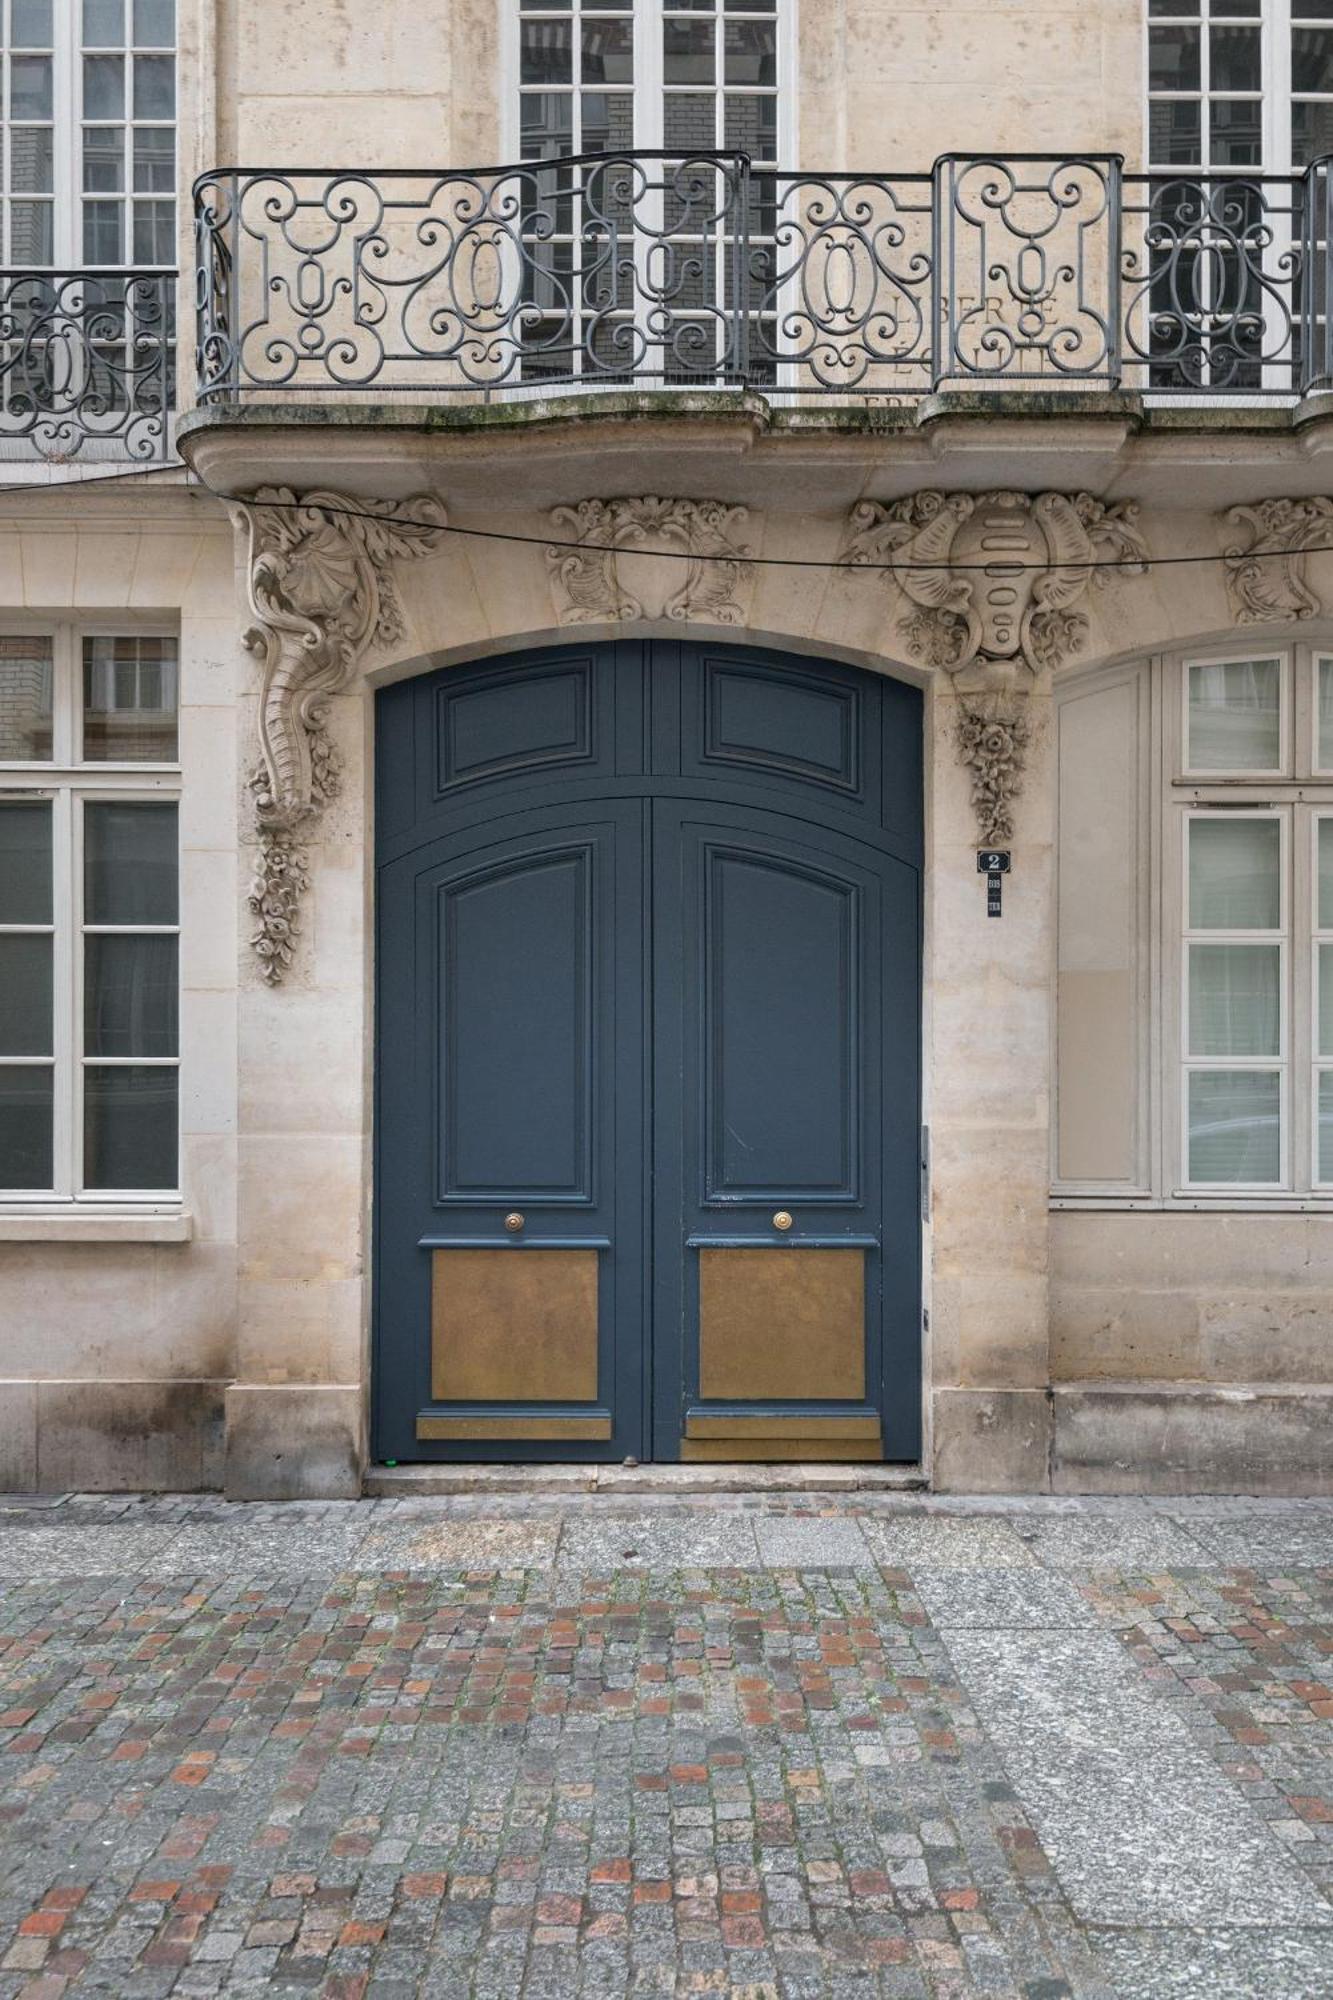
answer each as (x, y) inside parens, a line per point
(87, 365)
(646, 271)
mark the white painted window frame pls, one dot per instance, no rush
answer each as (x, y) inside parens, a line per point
(67, 143)
(70, 784)
(1300, 794)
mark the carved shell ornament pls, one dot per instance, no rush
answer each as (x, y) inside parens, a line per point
(591, 582)
(1266, 570)
(990, 585)
(321, 591)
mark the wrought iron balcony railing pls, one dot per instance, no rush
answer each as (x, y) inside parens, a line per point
(87, 364)
(649, 270)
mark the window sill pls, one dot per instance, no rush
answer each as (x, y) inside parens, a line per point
(95, 1225)
(1198, 1204)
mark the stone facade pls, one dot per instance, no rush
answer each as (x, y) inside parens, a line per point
(1090, 1346)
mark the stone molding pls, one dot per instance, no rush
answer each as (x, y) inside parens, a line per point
(321, 591)
(992, 583)
(587, 582)
(1266, 571)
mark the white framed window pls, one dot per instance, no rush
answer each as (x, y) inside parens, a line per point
(89, 915)
(605, 75)
(1194, 1035)
(1236, 84)
(89, 111)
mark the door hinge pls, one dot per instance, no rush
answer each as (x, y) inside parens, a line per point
(925, 1173)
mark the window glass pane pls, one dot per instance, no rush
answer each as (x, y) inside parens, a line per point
(1326, 1125)
(129, 996)
(26, 1098)
(1233, 874)
(1235, 59)
(1312, 60)
(608, 52)
(31, 237)
(25, 864)
(1324, 717)
(155, 23)
(30, 24)
(1235, 720)
(129, 701)
(154, 160)
(687, 52)
(154, 87)
(25, 994)
(104, 159)
(750, 124)
(31, 159)
(1237, 126)
(103, 23)
(751, 52)
(30, 87)
(1173, 58)
(129, 1127)
(1311, 132)
(26, 680)
(1325, 1028)
(104, 86)
(154, 232)
(1234, 1126)
(102, 232)
(547, 120)
(546, 52)
(608, 121)
(1326, 875)
(689, 120)
(1235, 1000)
(129, 864)
(1174, 132)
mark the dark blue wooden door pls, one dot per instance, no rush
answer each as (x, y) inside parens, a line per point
(647, 1145)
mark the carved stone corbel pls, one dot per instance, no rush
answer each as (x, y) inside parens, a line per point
(321, 591)
(1266, 571)
(989, 585)
(588, 582)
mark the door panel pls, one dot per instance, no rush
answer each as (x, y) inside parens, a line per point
(772, 1017)
(647, 1124)
(510, 1258)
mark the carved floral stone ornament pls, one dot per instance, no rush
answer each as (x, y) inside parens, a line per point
(1266, 571)
(990, 584)
(612, 576)
(321, 592)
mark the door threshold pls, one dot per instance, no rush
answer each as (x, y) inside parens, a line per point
(406, 1482)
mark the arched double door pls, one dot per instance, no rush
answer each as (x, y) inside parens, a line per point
(648, 1034)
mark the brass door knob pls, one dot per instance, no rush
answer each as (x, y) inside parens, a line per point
(513, 1222)
(782, 1220)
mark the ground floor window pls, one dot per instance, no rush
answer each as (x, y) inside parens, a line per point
(1195, 998)
(89, 915)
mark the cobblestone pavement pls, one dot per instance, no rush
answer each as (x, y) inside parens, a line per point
(764, 1746)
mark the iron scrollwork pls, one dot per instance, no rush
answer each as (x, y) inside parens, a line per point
(87, 362)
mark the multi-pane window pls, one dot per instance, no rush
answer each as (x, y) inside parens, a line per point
(1239, 83)
(89, 167)
(695, 76)
(89, 916)
(1256, 916)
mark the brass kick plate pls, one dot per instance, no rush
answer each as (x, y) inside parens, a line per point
(568, 1430)
(513, 1326)
(782, 1324)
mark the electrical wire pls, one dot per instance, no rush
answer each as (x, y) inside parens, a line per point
(1132, 565)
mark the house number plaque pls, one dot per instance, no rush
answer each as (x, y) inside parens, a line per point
(993, 863)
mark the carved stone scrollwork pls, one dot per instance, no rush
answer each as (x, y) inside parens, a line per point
(1266, 572)
(990, 584)
(321, 592)
(590, 584)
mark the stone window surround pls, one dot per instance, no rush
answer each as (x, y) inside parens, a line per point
(1299, 795)
(101, 1216)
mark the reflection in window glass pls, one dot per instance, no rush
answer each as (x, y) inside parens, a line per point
(129, 700)
(26, 1024)
(1324, 864)
(25, 862)
(130, 1120)
(27, 1099)
(1324, 714)
(1235, 718)
(1326, 1125)
(26, 686)
(1235, 1127)
(129, 868)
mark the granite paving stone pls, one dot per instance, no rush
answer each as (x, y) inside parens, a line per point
(770, 1746)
